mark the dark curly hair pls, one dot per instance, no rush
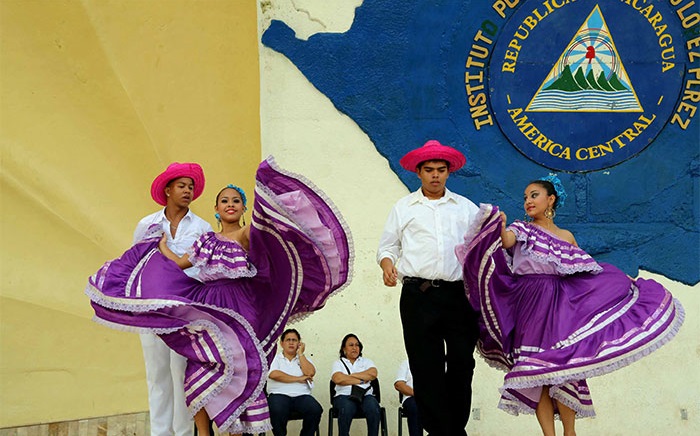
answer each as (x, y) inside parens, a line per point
(345, 340)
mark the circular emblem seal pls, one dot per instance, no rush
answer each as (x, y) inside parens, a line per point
(581, 86)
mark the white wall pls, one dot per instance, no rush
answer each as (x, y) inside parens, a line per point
(306, 134)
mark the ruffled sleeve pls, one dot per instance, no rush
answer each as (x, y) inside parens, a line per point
(546, 248)
(219, 258)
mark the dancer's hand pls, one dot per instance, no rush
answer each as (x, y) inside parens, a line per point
(389, 273)
(163, 243)
(507, 237)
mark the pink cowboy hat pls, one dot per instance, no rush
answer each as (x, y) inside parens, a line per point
(174, 171)
(433, 150)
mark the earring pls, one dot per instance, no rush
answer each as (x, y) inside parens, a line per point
(243, 217)
(217, 216)
(550, 213)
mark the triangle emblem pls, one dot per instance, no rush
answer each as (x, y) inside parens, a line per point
(588, 76)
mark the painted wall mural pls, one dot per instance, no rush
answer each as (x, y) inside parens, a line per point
(605, 93)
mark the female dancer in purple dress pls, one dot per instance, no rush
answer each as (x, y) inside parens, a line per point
(255, 279)
(550, 315)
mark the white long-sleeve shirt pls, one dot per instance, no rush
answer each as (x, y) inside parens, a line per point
(420, 235)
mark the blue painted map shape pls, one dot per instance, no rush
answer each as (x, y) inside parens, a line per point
(399, 73)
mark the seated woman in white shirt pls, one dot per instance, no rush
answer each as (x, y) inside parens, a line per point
(353, 369)
(289, 387)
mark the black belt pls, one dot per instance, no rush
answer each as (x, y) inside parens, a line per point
(424, 284)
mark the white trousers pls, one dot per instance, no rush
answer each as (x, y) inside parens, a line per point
(165, 375)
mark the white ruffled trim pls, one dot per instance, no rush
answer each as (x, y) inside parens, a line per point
(218, 272)
(550, 257)
(582, 411)
(341, 220)
(238, 427)
(515, 407)
(493, 363)
(605, 368)
(206, 251)
(126, 304)
(133, 329)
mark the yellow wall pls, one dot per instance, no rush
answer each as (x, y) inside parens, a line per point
(97, 97)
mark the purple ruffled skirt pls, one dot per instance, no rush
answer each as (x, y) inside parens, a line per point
(557, 330)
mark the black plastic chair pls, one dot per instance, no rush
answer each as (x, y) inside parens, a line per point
(333, 412)
(401, 414)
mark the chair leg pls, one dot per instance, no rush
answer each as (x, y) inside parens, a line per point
(330, 422)
(400, 422)
(382, 416)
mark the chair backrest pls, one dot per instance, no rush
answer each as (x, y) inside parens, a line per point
(375, 390)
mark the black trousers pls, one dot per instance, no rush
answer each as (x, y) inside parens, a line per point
(440, 327)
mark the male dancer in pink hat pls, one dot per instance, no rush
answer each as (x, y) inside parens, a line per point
(175, 188)
(439, 326)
